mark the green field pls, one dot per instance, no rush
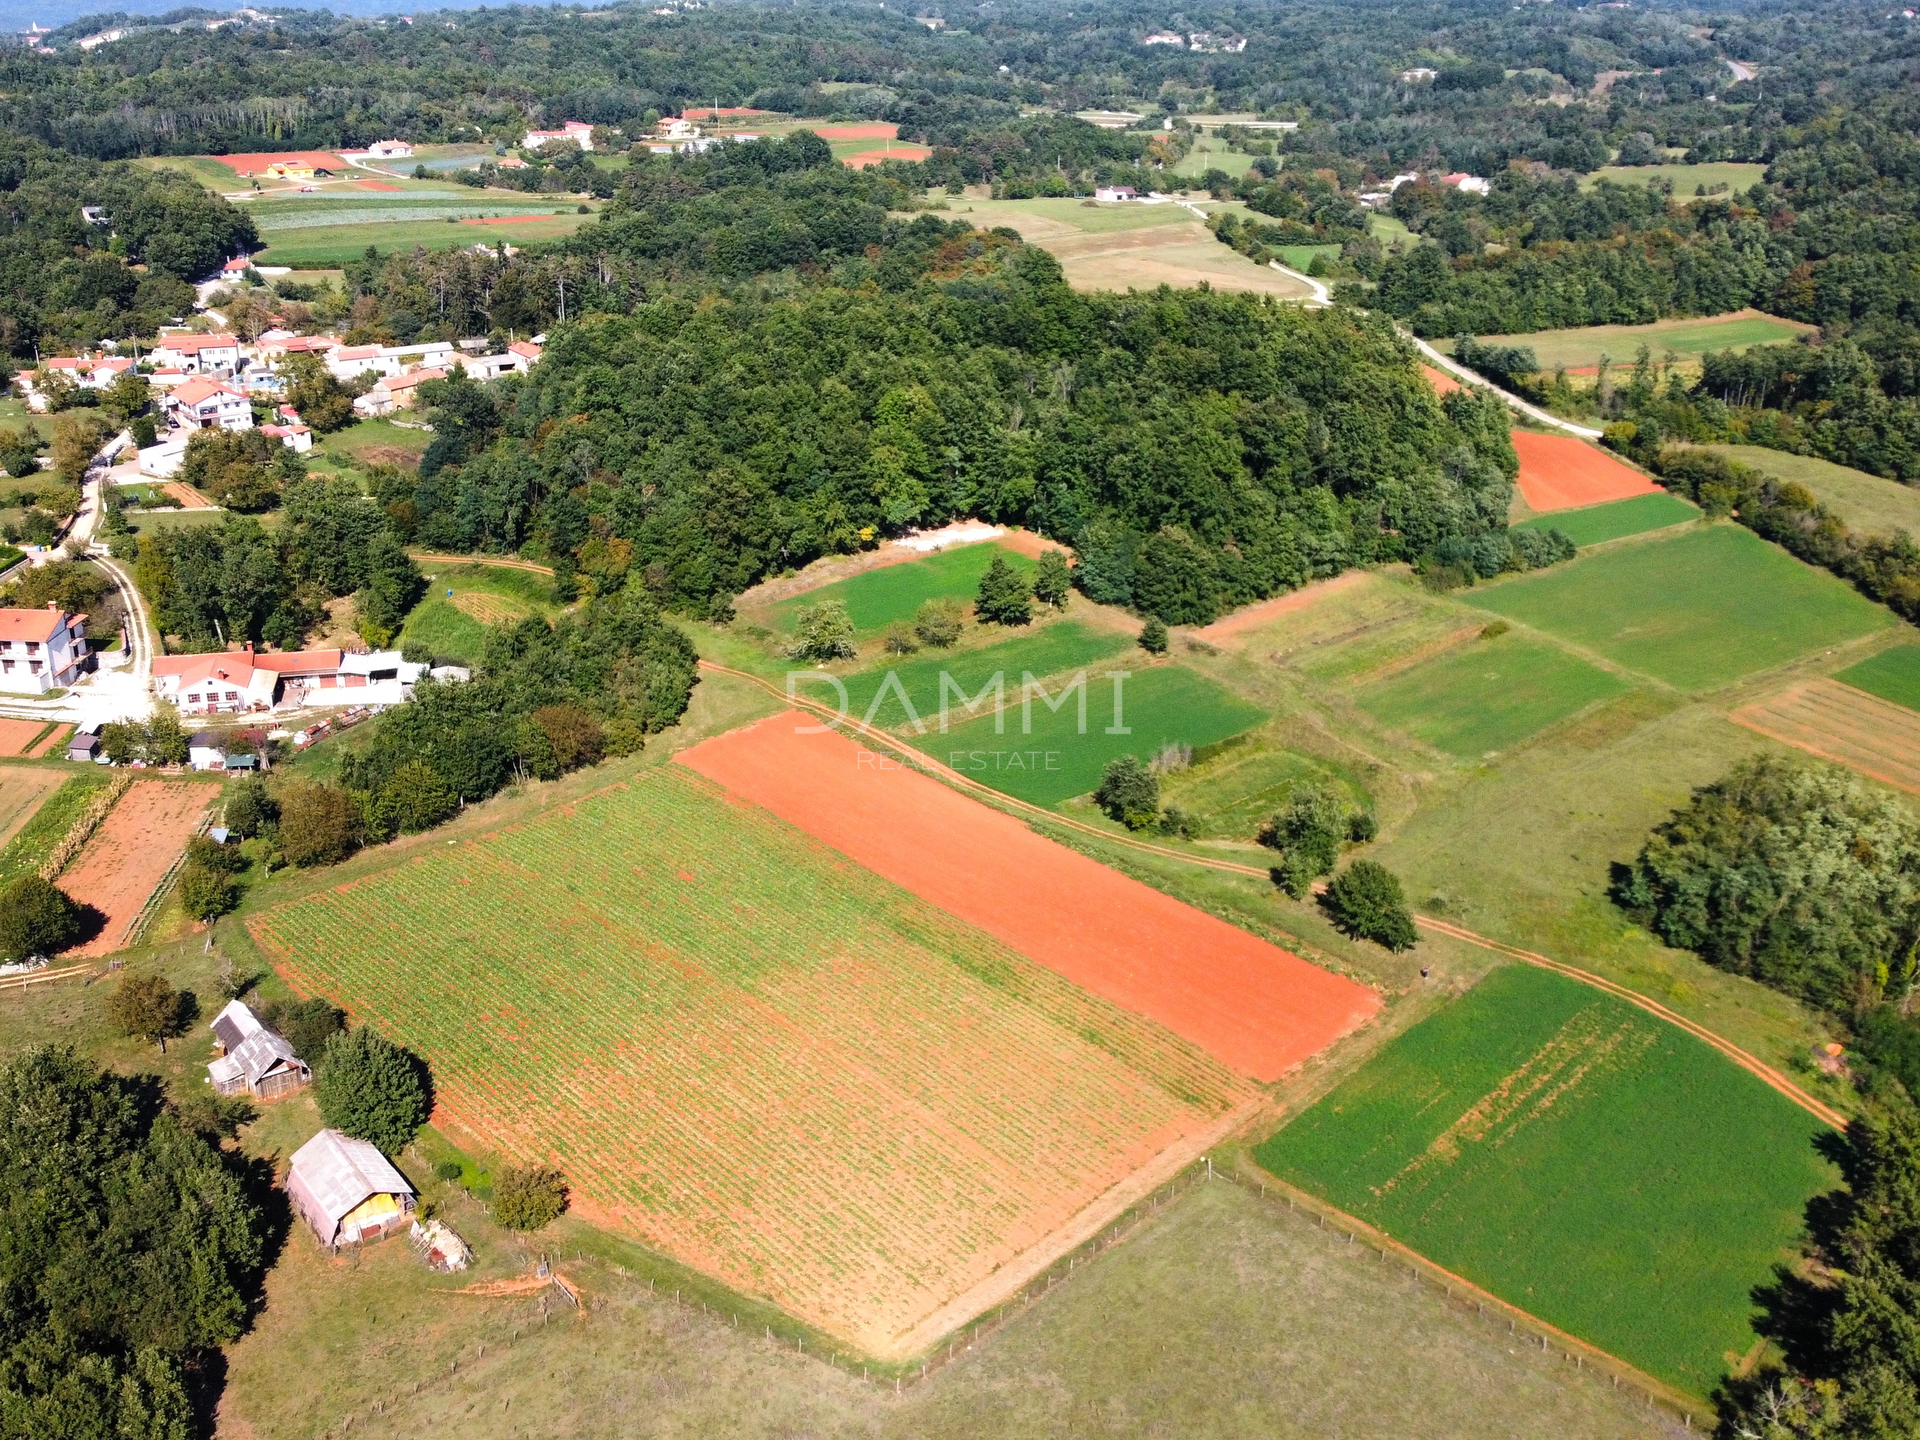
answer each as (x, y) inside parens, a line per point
(1688, 339)
(462, 601)
(375, 441)
(1736, 175)
(1210, 152)
(1697, 610)
(1231, 794)
(1489, 694)
(1596, 524)
(1045, 650)
(1865, 502)
(1578, 1157)
(1892, 675)
(876, 598)
(1052, 758)
(34, 841)
(632, 985)
(330, 245)
(1095, 219)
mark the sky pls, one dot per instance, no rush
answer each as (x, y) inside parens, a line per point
(17, 14)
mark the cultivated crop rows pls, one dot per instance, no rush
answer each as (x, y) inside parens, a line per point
(751, 1053)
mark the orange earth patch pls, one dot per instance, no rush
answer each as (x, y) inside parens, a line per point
(189, 498)
(56, 736)
(1442, 382)
(131, 853)
(874, 130)
(17, 735)
(255, 162)
(1837, 722)
(376, 185)
(1558, 472)
(875, 157)
(1248, 1003)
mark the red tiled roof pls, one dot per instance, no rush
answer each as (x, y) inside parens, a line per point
(193, 344)
(194, 391)
(412, 378)
(37, 625)
(526, 348)
(297, 662)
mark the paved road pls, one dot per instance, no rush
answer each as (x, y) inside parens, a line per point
(1466, 376)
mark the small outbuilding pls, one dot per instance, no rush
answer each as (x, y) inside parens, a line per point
(252, 1060)
(347, 1191)
(84, 748)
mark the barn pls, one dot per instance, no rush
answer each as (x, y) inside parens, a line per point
(251, 1059)
(347, 1191)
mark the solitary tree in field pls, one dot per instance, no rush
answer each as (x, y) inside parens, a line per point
(1153, 636)
(146, 1007)
(1004, 598)
(529, 1197)
(36, 918)
(1052, 582)
(939, 622)
(823, 632)
(1365, 900)
(1129, 792)
(372, 1089)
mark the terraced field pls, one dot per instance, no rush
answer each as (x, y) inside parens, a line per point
(864, 1118)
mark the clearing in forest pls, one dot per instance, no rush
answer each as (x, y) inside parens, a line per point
(1703, 607)
(1577, 1157)
(1251, 1004)
(1617, 519)
(1582, 348)
(131, 853)
(877, 598)
(1879, 738)
(1558, 472)
(760, 1058)
(1865, 502)
(1488, 694)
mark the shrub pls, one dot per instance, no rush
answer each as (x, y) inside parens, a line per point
(1307, 834)
(899, 639)
(1129, 792)
(823, 632)
(146, 1007)
(37, 917)
(449, 1170)
(250, 809)
(1153, 636)
(1366, 902)
(529, 1197)
(211, 855)
(938, 622)
(1004, 597)
(372, 1089)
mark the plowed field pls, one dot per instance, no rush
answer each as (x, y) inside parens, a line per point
(1251, 1004)
(1837, 722)
(1558, 472)
(758, 1057)
(131, 852)
(17, 735)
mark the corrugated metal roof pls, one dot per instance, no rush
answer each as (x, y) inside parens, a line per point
(339, 1172)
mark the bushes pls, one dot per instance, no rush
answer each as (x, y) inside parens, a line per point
(529, 1197)
(1309, 833)
(37, 917)
(307, 1025)
(372, 1089)
(938, 622)
(823, 632)
(1366, 902)
(1129, 792)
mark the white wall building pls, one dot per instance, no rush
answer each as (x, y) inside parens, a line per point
(40, 650)
(577, 131)
(206, 404)
(198, 354)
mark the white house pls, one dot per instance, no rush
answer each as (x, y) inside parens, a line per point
(390, 150)
(1467, 184)
(528, 350)
(1115, 192)
(577, 131)
(1166, 37)
(41, 650)
(239, 681)
(204, 404)
(297, 438)
(198, 353)
(163, 461)
(421, 352)
(88, 372)
(350, 362)
(492, 367)
(236, 268)
(346, 1190)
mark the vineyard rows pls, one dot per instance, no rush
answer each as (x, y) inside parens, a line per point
(751, 1053)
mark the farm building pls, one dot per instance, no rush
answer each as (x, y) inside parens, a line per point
(83, 748)
(346, 1190)
(235, 681)
(577, 131)
(251, 1059)
(390, 150)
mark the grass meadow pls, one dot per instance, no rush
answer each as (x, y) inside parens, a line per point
(1697, 610)
(1892, 675)
(1617, 519)
(1233, 791)
(1579, 1158)
(462, 601)
(1488, 694)
(877, 598)
(1688, 339)
(874, 694)
(1734, 174)
(325, 246)
(1865, 502)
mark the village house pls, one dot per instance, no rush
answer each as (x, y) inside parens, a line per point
(87, 372)
(250, 1059)
(1115, 192)
(277, 347)
(202, 404)
(350, 362)
(240, 681)
(41, 650)
(528, 350)
(297, 438)
(347, 1191)
(397, 392)
(198, 354)
(236, 268)
(1467, 184)
(577, 131)
(390, 150)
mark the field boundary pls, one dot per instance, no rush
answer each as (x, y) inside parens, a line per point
(1746, 1061)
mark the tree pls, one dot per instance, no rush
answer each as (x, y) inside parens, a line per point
(146, 1007)
(128, 1249)
(319, 824)
(77, 438)
(372, 1089)
(250, 809)
(1004, 598)
(313, 393)
(207, 894)
(1052, 581)
(823, 632)
(165, 740)
(307, 1025)
(577, 738)
(938, 622)
(1153, 636)
(529, 1197)
(37, 917)
(1366, 902)
(414, 798)
(1129, 792)
(1308, 834)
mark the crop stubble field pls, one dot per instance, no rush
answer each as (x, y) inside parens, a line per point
(1837, 722)
(864, 1118)
(22, 790)
(1578, 1157)
(132, 850)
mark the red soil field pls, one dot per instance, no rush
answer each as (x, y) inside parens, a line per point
(1443, 383)
(1558, 472)
(189, 498)
(16, 735)
(874, 157)
(1839, 723)
(1250, 1004)
(874, 130)
(248, 164)
(376, 185)
(130, 853)
(1252, 617)
(56, 736)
